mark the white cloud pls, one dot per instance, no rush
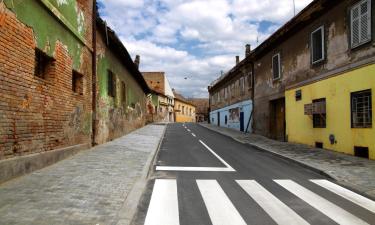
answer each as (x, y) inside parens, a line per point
(193, 39)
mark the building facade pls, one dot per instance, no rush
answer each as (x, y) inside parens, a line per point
(184, 110)
(45, 77)
(121, 89)
(231, 97)
(56, 58)
(163, 97)
(202, 109)
(333, 108)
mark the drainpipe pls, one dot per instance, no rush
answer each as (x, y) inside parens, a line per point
(253, 94)
(93, 74)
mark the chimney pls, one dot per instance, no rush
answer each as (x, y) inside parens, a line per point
(237, 59)
(248, 50)
(137, 61)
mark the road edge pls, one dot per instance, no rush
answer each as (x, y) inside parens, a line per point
(319, 171)
(130, 205)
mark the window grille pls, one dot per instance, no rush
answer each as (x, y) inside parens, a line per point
(319, 113)
(361, 109)
(360, 17)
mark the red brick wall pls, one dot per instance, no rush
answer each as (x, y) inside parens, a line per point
(36, 114)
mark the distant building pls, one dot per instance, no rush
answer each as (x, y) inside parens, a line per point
(184, 110)
(231, 96)
(202, 108)
(162, 96)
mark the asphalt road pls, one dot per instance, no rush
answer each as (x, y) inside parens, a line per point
(203, 177)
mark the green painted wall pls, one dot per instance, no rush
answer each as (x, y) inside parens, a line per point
(49, 27)
(109, 61)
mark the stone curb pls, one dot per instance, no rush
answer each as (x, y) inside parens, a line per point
(129, 208)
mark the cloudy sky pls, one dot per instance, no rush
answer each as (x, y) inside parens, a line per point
(194, 39)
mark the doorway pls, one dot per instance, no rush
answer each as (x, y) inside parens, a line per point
(218, 119)
(277, 119)
(242, 121)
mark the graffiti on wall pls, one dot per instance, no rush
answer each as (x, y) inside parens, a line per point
(234, 115)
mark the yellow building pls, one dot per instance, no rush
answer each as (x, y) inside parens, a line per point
(184, 110)
(334, 113)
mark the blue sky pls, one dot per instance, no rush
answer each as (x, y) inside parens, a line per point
(196, 39)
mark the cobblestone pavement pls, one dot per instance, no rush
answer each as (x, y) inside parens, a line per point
(353, 172)
(88, 188)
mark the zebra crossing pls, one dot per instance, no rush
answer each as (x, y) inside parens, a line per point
(164, 204)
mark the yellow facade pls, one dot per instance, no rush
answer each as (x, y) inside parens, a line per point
(337, 91)
(184, 112)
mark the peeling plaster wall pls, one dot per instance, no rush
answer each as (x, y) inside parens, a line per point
(36, 114)
(114, 117)
(296, 61)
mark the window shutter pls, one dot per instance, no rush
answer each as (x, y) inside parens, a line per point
(355, 26)
(361, 23)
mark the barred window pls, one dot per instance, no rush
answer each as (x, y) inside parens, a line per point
(361, 109)
(319, 113)
(360, 18)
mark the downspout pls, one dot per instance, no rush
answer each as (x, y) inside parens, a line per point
(93, 136)
(252, 95)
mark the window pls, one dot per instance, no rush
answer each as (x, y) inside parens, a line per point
(111, 84)
(42, 63)
(361, 152)
(298, 95)
(361, 111)
(183, 109)
(77, 82)
(319, 113)
(317, 45)
(360, 18)
(123, 92)
(276, 68)
(250, 80)
(242, 85)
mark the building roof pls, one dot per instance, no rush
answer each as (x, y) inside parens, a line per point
(158, 82)
(315, 9)
(116, 46)
(181, 98)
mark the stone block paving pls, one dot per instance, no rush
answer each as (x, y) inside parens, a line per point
(353, 172)
(88, 188)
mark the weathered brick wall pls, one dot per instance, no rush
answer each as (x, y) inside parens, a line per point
(115, 117)
(38, 115)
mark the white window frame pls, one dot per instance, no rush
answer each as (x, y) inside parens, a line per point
(369, 18)
(323, 45)
(279, 63)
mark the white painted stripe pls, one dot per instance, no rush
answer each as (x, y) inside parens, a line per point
(331, 210)
(197, 169)
(220, 209)
(163, 208)
(217, 156)
(345, 193)
(277, 210)
(193, 135)
(188, 130)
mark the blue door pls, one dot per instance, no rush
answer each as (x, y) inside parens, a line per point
(242, 122)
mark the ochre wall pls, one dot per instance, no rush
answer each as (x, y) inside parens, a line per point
(337, 91)
(184, 117)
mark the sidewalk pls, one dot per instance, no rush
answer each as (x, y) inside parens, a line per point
(97, 186)
(350, 171)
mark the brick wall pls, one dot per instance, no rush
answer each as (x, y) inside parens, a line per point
(38, 115)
